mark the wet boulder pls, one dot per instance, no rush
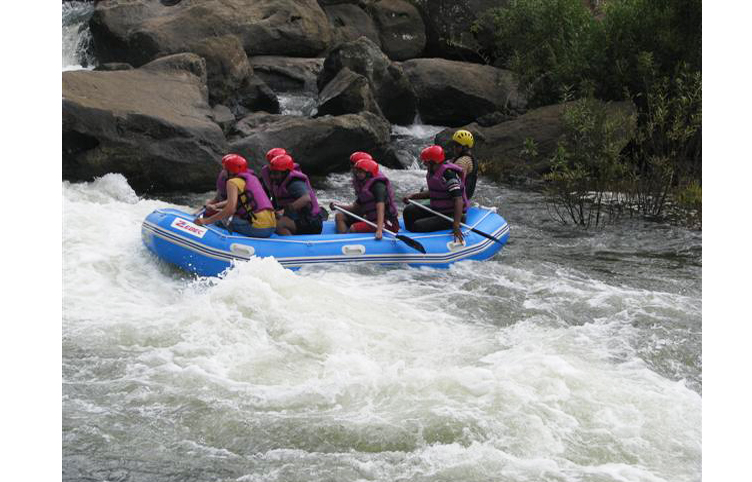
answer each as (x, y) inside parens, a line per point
(401, 28)
(137, 31)
(287, 74)
(453, 93)
(152, 124)
(223, 116)
(227, 66)
(320, 145)
(112, 66)
(389, 83)
(230, 76)
(448, 28)
(254, 95)
(347, 93)
(247, 125)
(349, 22)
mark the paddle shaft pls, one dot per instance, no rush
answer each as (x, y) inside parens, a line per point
(409, 241)
(364, 220)
(410, 201)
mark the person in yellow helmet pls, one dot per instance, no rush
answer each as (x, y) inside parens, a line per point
(461, 151)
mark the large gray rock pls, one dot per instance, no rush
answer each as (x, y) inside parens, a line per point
(453, 93)
(401, 28)
(347, 93)
(151, 124)
(350, 22)
(448, 29)
(500, 148)
(287, 74)
(137, 31)
(320, 145)
(227, 66)
(389, 84)
(254, 95)
(223, 116)
(248, 124)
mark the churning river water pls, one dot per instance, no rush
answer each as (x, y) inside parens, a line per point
(570, 356)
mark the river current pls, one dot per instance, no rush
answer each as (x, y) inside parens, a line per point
(569, 356)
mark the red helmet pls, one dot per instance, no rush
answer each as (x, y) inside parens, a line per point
(234, 163)
(358, 155)
(368, 165)
(432, 154)
(282, 163)
(274, 152)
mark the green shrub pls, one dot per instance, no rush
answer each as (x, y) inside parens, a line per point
(588, 172)
(547, 43)
(648, 51)
(668, 30)
(561, 51)
(667, 150)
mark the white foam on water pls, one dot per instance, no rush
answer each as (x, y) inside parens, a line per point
(76, 35)
(299, 104)
(365, 373)
(419, 131)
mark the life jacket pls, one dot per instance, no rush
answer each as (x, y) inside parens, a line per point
(222, 185)
(367, 200)
(283, 198)
(471, 179)
(267, 180)
(441, 200)
(253, 199)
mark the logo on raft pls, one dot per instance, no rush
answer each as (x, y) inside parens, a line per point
(188, 227)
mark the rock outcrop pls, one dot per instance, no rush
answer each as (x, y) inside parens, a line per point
(320, 145)
(349, 21)
(347, 93)
(453, 93)
(227, 66)
(152, 124)
(138, 31)
(448, 28)
(288, 74)
(401, 28)
(388, 82)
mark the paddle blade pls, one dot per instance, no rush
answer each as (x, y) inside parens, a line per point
(412, 243)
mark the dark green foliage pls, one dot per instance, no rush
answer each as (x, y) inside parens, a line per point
(670, 30)
(647, 51)
(666, 153)
(560, 49)
(588, 172)
(547, 43)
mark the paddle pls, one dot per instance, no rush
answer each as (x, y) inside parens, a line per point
(408, 241)
(200, 213)
(486, 235)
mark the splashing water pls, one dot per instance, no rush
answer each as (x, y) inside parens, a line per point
(77, 46)
(516, 368)
(570, 356)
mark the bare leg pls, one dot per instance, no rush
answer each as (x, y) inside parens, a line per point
(285, 226)
(339, 219)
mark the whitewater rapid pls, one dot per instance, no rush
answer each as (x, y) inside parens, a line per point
(569, 356)
(485, 371)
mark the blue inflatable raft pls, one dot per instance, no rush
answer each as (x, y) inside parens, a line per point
(209, 250)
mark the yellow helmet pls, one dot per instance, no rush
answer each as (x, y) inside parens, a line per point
(464, 138)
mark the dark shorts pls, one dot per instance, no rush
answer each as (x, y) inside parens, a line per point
(418, 220)
(308, 225)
